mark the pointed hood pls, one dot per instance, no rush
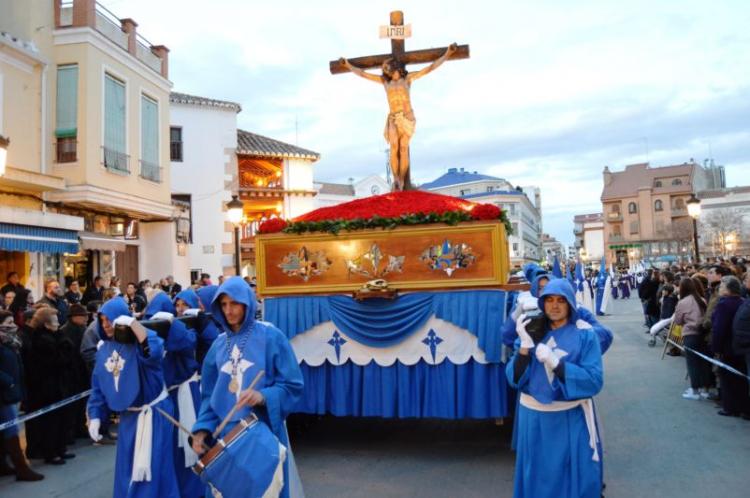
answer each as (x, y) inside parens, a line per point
(561, 287)
(112, 309)
(189, 296)
(535, 283)
(240, 291)
(206, 295)
(556, 270)
(528, 271)
(160, 302)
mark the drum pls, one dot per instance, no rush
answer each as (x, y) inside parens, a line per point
(247, 463)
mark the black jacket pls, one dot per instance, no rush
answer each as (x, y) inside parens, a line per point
(48, 363)
(741, 329)
(59, 304)
(92, 294)
(11, 376)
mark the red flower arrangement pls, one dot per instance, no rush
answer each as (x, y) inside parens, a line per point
(273, 225)
(485, 212)
(391, 205)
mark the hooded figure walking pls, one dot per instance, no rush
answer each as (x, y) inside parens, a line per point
(244, 348)
(558, 449)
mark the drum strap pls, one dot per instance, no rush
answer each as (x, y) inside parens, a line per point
(557, 406)
(187, 417)
(144, 439)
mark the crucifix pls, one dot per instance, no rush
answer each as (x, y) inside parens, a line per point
(399, 126)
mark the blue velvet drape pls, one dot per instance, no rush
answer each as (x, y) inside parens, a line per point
(382, 323)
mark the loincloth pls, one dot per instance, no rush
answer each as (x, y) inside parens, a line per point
(399, 124)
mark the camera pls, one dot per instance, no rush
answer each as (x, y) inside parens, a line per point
(537, 327)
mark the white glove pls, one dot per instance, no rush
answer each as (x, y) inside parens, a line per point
(526, 340)
(94, 425)
(163, 315)
(191, 312)
(545, 355)
(124, 320)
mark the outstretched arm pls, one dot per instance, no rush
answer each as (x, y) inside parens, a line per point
(426, 70)
(359, 72)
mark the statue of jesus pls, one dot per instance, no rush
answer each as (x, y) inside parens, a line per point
(399, 127)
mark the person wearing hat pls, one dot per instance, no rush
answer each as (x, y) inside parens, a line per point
(74, 328)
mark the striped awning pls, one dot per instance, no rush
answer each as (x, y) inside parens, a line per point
(27, 238)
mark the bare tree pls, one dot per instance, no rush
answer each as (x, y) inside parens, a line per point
(722, 229)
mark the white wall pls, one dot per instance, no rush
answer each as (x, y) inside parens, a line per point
(209, 136)
(158, 253)
(594, 244)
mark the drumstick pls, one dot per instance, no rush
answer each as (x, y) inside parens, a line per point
(236, 406)
(174, 422)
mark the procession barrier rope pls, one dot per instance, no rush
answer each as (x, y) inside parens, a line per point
(42, 411)
(56, 405)
(674, 336)
(713, 361)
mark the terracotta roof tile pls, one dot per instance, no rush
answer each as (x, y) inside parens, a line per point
(252, 144)
(184, 98)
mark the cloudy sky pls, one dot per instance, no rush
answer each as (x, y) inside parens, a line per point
(553, 90)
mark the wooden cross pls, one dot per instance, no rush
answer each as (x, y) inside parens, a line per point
(401, 120)
(398, 52)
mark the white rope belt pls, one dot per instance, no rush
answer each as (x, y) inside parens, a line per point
(144, 439)
(188, 417)
(560, 406)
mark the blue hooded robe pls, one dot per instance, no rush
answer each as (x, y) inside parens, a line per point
(554, 457)
(180, 365)
(140, 382)
(207, 330)
(264, 347)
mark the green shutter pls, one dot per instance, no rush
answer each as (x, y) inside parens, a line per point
(149, 138)
(66, 115)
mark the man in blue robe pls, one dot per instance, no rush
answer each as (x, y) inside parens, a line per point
(558, 449)
(128, 378)
(182, 380)
(245, 347)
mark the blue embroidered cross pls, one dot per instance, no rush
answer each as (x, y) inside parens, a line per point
(432, 340)
(337, 341)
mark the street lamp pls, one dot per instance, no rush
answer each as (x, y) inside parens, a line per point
(234, 213)
(4, 142)
(694, 210)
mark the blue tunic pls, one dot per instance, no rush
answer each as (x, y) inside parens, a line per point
(144, 372)
(263, 346)
(180, 365)
(553, 454)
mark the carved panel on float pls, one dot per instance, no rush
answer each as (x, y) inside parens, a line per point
(469, 255)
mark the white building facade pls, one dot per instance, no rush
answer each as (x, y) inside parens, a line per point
(203, 140)
(525, 243)
(331, 194)
(588, 230)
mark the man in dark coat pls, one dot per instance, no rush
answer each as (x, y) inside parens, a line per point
(54, 298)
(79, 377)
(647, 292)
(94, 292)
(171, 287)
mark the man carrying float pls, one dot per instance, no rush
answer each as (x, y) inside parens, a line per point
(128, 378)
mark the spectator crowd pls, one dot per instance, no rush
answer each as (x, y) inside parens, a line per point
(47, 351)
(706, 309)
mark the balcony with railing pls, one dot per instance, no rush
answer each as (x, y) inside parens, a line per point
(120, 31)
(614, 216)
(150, 171)
(116, 161)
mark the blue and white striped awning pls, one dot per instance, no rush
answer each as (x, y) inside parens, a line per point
(27, 238)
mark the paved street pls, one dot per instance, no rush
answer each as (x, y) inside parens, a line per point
(656, 444)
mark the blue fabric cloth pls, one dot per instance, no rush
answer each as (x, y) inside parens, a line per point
(27, 238)
(188, 482)
(556, 270)
(558, 441)
(189, 296)
(261, 344)
(160, 302)
(382, 323)
(446, 390)
(206, 295)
